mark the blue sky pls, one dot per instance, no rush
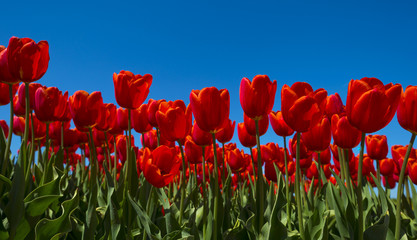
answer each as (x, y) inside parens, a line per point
(189, 45)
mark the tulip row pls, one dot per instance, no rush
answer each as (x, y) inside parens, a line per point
(187, 180)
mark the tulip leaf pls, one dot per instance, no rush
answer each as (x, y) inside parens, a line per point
(53, 229)
(5, 180)
(38, 205)
(144, 219)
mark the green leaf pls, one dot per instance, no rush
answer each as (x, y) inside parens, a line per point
(38, 205)
(6, 181)
(378, 230)
(50, 229)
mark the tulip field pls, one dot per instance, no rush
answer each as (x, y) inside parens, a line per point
(80, 174)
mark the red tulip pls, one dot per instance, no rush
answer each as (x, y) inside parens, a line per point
(50, 104)
(377, 146)
(226, 134)
(140, 119)
(27, 60)
(4, 127)
(85, 108)
(32, 90)
(389, 181)
(257, 97)
(160, 166)
(211, 108)
(200, 137)
(193, 152)
(131, 90)
(278, 124)
(370, 105)
(304, 151)
(387, 166)
(121, 146)
(151, 141)
(245, 138)
(325, 156)
(334, 105)
(344, 135)
(174, 120)
(270, 152)
(413, 173)
(108, 113)
(319, 136)
(4, 93)
(18, 125)
(406, 113)
(122, 118)
(236, 160)
(153, 106)
(270, 172)
(18, 109)
(251, 126)
(302, 107)
(5, 75)
(39, 127)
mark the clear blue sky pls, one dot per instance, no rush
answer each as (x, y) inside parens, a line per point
(189, 45)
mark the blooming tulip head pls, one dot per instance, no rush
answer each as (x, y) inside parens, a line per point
(257, 97)
(50, 104)
(160, 166)
(140, 119)
(406, 112)
(4, 93)
(131, 90)
(211, 108)
(174, 120)
(226, 134)
(5, 75)
(344, 135)
(85, 108)
(302, 107)
(245, 138)
(376, 146)
(4, 127)
(370, 105)
(27, 60)
(319, 136)
(278, 124)
(250, 124)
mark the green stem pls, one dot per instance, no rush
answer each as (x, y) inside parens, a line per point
(26, 133)
(224, 166)
(378, 172)
(287, 188)
(342, 164)
(204, 195)
(115, 163)
(359, 189)
(183, 183)
(259, 180)
(216, 189)
(143, 141)
(62, 135)
(46, 145)
(158, 136)
(319, 171)
(297, 188)
(108, 150)
(9, 138)
(347, 170)
(148, 207)
(400, 188)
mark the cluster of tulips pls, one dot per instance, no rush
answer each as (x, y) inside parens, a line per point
(186, 171)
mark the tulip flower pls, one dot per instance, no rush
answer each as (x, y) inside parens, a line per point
(131, 90)
(4, 127)
(32, 90)
(245, 138)
(370, 105)
(319, 136)
(193, 151)
(226, 134)
(236, 160)
(160, 166)
(387, 166)
(153, 107)
(140, 119)
(210, 107)
(334, 105)
(5, 75)
(151, 140)
(174, 120)
(278, 124)
(250, 125)
(18, 109)
(257, 97)
(50, 104)
(200, 137)
(377, 146)
(406, 109)
(18, 125)
(302, 107)
(27, 60)
(85, 108)
(4, 93)
(108, 113)
(344, 135)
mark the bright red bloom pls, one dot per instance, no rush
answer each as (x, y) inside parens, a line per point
(32, 90)
(153, 107)
(257, 97)
(304, 151)
(278, 124)
(211, 108)
(370, 105)
(131, 90)
(27, 60)
(140, 119)
(389, 181)
(160, 166)
(121, 146)
(251, 126)
(200, 137)
(319, 136)
(50, 104)
(377, 146)
(270, 172)
(193, 152)
(270, 152)
(18, 125)
(85, 108)
(226, 134)
(406, 113)
(122, 118)
(302, 107)
(245, 138)
(5, 75)
(413, 173)
(236, 160)
(151, 140)
(387, 166)
(4, 127)
(334, 105)
(4, 93)
(344, 134)
(108, 117)
(174, 120)
(18, 109)
(325, 156)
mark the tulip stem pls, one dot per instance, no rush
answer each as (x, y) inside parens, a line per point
(204, 195)
(378, 171)
(319, 171)
(183, 183)
(400, 188)
(359, 189)
(62, 135)
(260, 184)
(297, 188)
(9, 137)
(45, 160)
(224, 167)
(158, 137)
(216, 189)
(115, 163)
(287, 188)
